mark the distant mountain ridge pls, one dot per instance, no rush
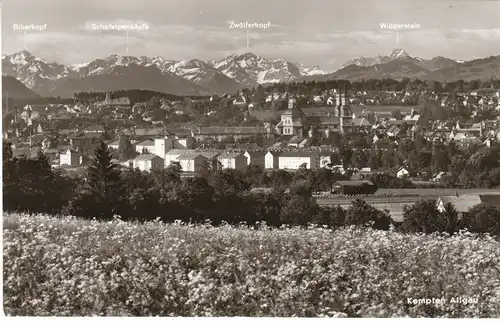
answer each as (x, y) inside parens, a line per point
(227, 75)
(14, 89)
(398, 64)
(188, 77)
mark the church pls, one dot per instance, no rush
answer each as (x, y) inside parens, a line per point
(296, 122)
(115, 102)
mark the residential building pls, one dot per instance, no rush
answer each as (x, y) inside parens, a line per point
(69, 157)
(163, 145)
(147, 145)
(256, 157)
(271, 160)
(230, 160)
(192, 163)
(402, 172)
(148, 162)
(85, 142)
(292, 120)
(219, 133)
(325, 159)
(293, 160)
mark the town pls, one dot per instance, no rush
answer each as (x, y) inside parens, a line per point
(350, 132)
(294, 159)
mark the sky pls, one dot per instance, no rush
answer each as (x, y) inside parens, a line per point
(313, 32)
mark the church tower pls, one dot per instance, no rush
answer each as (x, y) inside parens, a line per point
(345, 112)
(108, 98)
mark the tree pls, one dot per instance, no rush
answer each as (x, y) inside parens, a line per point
(396, 114)
(440, 161)
(7, 151)
(424, 216)
(30, 185)
(298, 209)
(264, 207)
(125, 149)
(363, 214)
(332, 216)
(195, 196)
(484, 218)
(101, 196)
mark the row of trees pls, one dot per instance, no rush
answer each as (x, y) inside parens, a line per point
(106, 190)
(406, 84)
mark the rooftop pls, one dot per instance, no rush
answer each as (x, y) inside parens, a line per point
(146, 157)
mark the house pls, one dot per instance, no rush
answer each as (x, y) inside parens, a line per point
(236, 161)
(438, 177)
(163, 144)
(174, 154)
(192, 163)
(402, 172)
(325, 159)
(295, 141)
(69, 157)
(148, 162)
(255, 157)
(271, 160)
(219, 133)
(240, 101)
(293, 160)
(85, 141)
(51, 153)
(354, 187)
(393, 131)
(147, 145)
(113, 144)
(97, 128)
(292, 120)
(305, 143)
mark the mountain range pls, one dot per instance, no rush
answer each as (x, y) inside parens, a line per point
(227, 75)
(188, 77)
(398, 65)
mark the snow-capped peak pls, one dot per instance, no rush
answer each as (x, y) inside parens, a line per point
(310, 71)
(398, 53)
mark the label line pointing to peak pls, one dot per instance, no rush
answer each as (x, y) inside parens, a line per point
(126, 32)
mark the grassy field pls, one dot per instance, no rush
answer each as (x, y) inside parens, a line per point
(436, 191)
(66, 266)
(371, 199)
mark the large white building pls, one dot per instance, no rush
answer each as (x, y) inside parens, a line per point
(148, 162)
(271, 159)
(293, 160)
(233, 160)
(69, 157)
(192, 163)
(163, 145)
(173, 155)
(121, 101)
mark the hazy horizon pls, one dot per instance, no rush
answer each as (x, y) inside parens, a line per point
(313, 33)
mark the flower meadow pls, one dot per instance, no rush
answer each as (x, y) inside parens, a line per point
(67, 266)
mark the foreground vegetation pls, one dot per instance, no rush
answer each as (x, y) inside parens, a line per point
(69, 266)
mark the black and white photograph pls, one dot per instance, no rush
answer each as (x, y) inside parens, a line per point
(251, 158)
